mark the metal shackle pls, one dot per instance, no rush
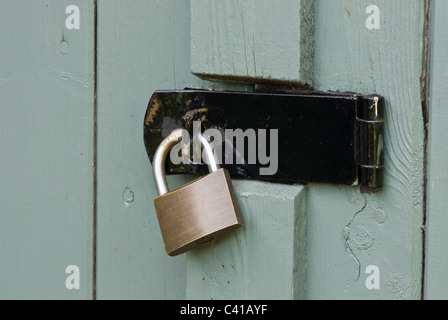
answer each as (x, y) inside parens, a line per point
(158, 164)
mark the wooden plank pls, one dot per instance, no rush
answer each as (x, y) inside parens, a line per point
(265, 259)
(436, 280)
(348, 231)
(142, 47)
(46, 126)
(252, 40)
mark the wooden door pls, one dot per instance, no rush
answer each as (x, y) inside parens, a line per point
(77, 187)
(339, 46)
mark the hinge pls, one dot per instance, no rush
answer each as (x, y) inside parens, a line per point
(287, 137)
(370, 141)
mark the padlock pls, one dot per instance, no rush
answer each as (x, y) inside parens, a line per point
(198, 212)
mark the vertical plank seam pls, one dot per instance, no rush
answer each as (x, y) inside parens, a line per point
(95, 145)
(424, 91)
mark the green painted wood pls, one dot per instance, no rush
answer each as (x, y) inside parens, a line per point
(46, 126)
(252, 40)
(436, 280)
(348, 231)
(142, 47)
(265, 259)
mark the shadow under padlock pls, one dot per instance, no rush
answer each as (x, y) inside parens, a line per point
(197, 212)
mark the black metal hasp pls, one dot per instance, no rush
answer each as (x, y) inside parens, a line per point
(307, 137)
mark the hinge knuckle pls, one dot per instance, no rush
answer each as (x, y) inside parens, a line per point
(370, 145)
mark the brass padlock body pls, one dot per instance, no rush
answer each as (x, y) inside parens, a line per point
(198, 212)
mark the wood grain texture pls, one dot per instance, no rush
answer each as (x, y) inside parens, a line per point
(253, 40)
(46, 125)
(46, 128)
(143, 46)
(265, 259)
(436, 280)
(348, 231)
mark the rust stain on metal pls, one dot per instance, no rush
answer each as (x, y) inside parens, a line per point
(197, 115)
(155, 106)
